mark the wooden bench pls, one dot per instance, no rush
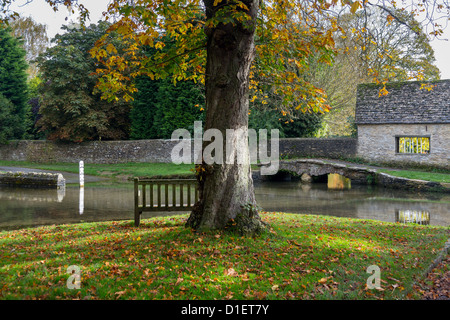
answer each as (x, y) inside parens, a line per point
(160, 195)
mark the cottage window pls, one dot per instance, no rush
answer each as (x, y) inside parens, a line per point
(418, 145)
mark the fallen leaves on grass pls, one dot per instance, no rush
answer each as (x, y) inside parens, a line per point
(437, 284)
(305, 257)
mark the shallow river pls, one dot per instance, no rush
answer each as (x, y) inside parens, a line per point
(106, 201)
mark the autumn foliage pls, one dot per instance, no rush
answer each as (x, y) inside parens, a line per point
(288, 34)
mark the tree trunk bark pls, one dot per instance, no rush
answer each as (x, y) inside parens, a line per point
(227, 198)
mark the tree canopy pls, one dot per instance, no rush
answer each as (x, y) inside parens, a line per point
(70, 109)
(287, 34)
(34, 38)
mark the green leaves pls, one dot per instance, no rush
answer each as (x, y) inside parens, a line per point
(71, 109)
(8, 120)
(13, 87)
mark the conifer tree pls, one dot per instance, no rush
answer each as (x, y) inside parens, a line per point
(13, 84)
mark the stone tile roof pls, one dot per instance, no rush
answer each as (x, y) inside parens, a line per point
(406, 103)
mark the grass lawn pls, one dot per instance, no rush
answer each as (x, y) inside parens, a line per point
(302, 257)
(419, 175)
(112, 170)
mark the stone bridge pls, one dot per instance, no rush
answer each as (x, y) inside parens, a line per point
(358, 174)
(314, 168)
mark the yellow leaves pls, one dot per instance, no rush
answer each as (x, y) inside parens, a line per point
(355, 6)
(427, 86)
(111, 48)
(389, 18)
(159, 45)
(185, 25)
(99, 54)
(383, 92)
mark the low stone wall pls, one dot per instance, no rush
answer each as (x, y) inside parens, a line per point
(332, 148)
(32, 180)
(387, 180)
(90, 152)
(156, 151)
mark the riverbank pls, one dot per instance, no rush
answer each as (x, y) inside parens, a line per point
(301, 257)
(117, 171)
(126, 171)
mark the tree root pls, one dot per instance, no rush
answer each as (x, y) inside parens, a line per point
(247, 222)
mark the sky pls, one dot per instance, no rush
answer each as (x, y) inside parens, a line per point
(41, 12)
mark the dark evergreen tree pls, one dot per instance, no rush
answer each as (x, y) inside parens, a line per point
(160, 107)
(178, 106)
(143, 110)
(13, 83)
(301, 125)
(8, 120)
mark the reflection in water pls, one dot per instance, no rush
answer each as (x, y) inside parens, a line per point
(365, 202)
(413, 216)
(31, 207)
(336, 181)
(81, 203)
(35, 195)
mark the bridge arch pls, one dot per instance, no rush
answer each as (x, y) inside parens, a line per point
(316, 168)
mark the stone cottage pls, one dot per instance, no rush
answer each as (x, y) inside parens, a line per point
(409, 125)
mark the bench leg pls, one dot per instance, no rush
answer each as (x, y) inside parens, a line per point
(137, 218)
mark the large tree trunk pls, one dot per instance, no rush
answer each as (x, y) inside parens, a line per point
(227, 196)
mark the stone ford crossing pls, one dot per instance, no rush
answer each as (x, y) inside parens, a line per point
(32, 180)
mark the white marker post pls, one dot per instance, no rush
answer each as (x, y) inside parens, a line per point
(81, 187)
(81, 174)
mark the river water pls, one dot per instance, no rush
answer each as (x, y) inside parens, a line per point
(108, 201)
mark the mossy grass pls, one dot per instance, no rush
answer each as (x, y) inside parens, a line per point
(299, 257)
(419, 175)
(130, 169)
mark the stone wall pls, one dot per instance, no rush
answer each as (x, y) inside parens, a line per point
(332, 148)
(154, 150)
(378, 143)
(90, 152)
